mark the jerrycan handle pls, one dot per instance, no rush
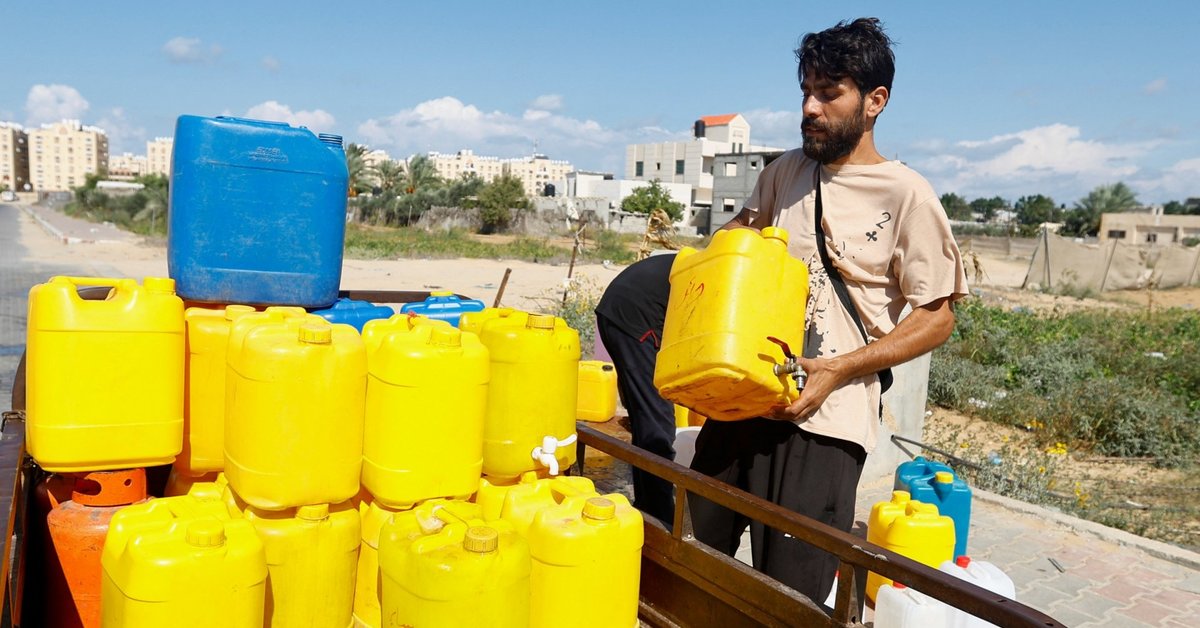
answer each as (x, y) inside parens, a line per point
(92, 282)
(253, 121)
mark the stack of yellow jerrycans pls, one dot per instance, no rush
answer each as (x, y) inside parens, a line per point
(104, 401)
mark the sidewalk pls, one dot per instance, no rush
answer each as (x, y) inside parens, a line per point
(1109, 578)
(74, 230)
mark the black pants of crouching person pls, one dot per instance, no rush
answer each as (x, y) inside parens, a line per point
(816, 476)
(651, 418)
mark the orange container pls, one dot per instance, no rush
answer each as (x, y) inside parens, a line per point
(76, 529)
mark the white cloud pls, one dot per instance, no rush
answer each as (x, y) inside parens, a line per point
(447, 124)
(1176, 182)
(779, 129)
(1155, 86)
(317, 120)
(547, 102)
(123, 134)
(270, 64)
(1055, 160)
(51, 103)
(190, 50)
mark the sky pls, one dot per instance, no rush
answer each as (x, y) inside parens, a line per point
(990, 98)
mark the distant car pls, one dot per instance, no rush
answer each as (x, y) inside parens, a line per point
(8, 195)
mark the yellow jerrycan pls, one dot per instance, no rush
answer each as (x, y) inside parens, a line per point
(726, 302)
(403, 526)
(427, 389)
(474, 321)
(295, 392)
(312, 559)
(524, 501)
(587, 560)
(917, 532)
(181, 562)
(597, 391)
(530, 420)
(492, 492)
(459, 574)
(105, 377)
(204, 388)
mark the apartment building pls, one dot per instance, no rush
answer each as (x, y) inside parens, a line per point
(62, 155)
(1149, 226)
(158, 156)
(734, 176)
(14, 156)
(534, 171)
(691, 161)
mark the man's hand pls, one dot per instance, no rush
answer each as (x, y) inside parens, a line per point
(824, 376)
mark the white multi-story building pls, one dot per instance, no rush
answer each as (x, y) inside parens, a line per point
(14, 156)
(126, 166)
(691, 162)
(62, 155)
(158, 155)
(534, 171)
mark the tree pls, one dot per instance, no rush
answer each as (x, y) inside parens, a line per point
(388, 174)
(1084, 219)
(1036, 209)
(1190, 206)
(957, 207)
(418, 188)
(356, 167)
(987, 207)
(497, 200)
(648, 198)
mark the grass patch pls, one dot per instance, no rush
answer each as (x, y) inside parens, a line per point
(363, 242)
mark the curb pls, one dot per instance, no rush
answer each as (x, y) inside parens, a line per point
(57, 233)
(1157, 549)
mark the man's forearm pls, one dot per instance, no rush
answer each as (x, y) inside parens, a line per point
(922, 331)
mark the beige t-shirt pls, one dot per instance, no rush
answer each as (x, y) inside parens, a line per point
(888, 236)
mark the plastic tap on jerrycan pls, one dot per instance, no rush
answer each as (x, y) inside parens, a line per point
(459, 574)
(530, 420)
(182, 561)
(312, 559)
(76, 531)
(587, 559)
(204, 391)
(294, 410)
(443, 305)
(597, 391)
(105, 377)
(258, 212)
(919, 533)
(426, 395)
(403, 526)
(725, 302)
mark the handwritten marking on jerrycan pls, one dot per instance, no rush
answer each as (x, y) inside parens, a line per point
(426, 396)
(294, 410)
(105, 377)
(725, 302)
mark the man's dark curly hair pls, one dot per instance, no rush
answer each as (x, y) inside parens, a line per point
(859, 50)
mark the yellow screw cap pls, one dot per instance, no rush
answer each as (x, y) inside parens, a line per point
(540, 321)
(599, 508)
(441, 293)
(481, 540)
(445, 337)
(775, 233)
(901, 497)
(205, 533)
(315, 334)
(316, 512)
(232, 312)
(159, 284)
(943, 477)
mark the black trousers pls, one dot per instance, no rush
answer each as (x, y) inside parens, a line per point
(651, 418)
(816, 476)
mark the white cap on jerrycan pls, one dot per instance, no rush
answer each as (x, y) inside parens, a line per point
(982, 574)
(897, 606)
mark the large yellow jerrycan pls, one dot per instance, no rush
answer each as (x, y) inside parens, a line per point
(918, 532)
(530, 420)
(597, 391)
(524, 501)
(312, 558)
(587, 560)
(492, 492)
(725, 302)
(204, 391)
(182, 562)
(468, 573)
(474, 321)
(427, 389)
(105, 377)
(403, 527)
(295, 394)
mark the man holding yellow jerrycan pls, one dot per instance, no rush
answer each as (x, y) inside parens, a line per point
(876, 241)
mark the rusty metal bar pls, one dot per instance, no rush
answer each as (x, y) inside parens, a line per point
(387, 296)
(849, 549)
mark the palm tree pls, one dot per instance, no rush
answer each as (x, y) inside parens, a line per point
(1106, 199)
(419, 181)
(356, 167)
(389, 175)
